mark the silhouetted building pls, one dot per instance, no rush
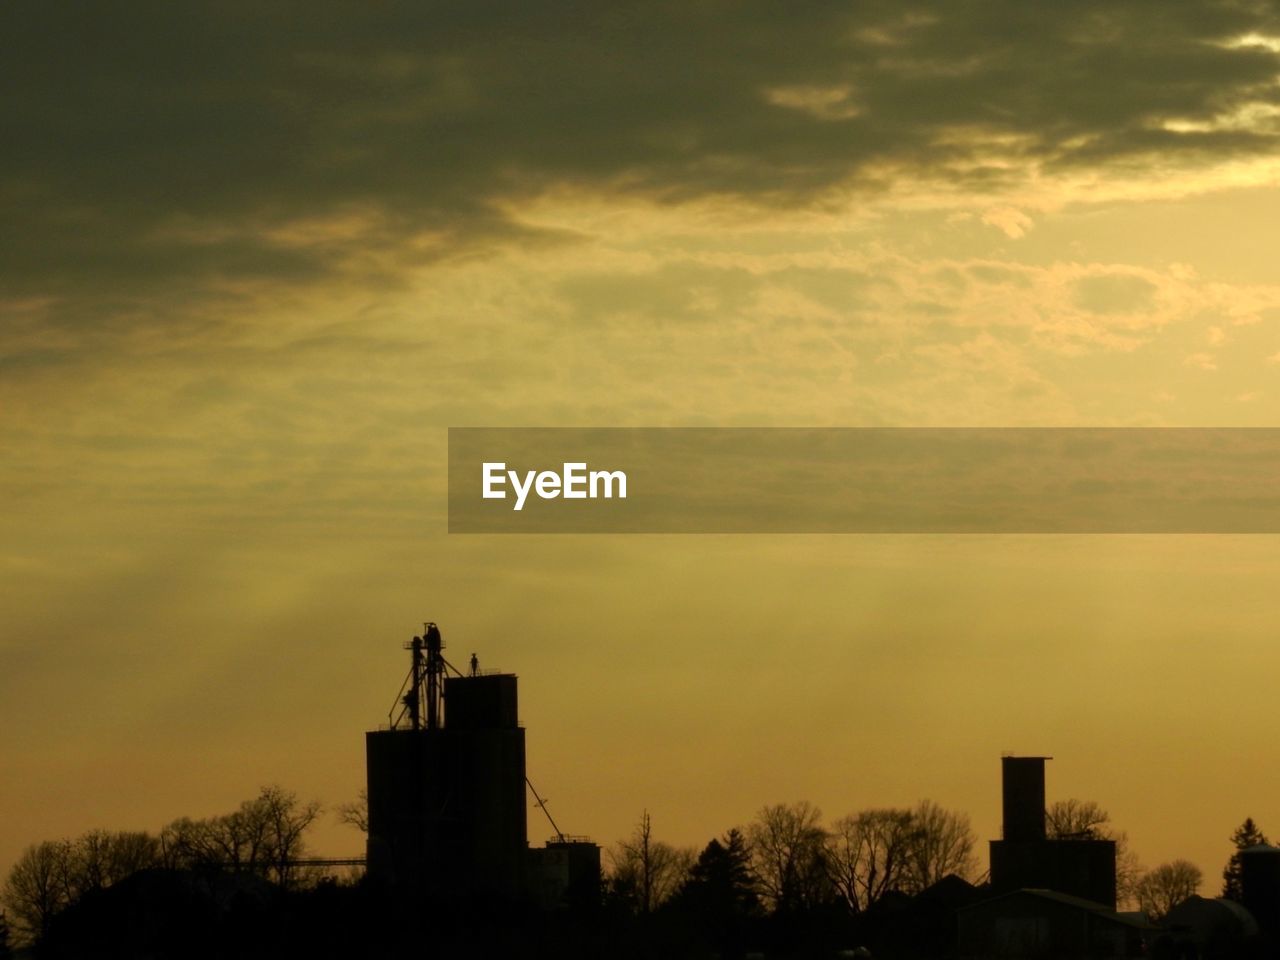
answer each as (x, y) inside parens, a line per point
(447, 807)
(1203, 927)
(928, 928)
(1047, 924)
(1027, 858)
(1022, 781)
(564, 874)
(1260, 887)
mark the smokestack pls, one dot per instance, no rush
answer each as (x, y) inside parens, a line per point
(1023, 779)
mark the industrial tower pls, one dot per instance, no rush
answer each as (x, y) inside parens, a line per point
(446, 781)
(1027, 858)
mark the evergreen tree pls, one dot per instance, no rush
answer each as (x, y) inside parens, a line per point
(1246, 835)
(720, 882)
(720, 893)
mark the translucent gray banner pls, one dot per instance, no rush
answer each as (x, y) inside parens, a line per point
(874, 480)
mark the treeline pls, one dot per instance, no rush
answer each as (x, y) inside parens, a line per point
(787, 880)
(261, 838)
(786, 860)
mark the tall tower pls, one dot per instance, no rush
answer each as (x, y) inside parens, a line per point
(1025, 857)
(446, 781)
(1023, 795)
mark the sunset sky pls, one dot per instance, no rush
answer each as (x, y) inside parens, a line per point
(256, 259)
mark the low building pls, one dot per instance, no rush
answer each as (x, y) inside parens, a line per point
(564, 874)
(1048, 925)
(1204, 927)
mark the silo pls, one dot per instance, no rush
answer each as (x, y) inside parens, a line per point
(447, 806)
(1023, 792)
(1260, 886)
(1025, 858)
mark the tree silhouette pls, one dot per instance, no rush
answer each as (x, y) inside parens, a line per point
(1246, 835)
(1077, 820)
(719, 896)
(876, 851)
(101, 858)
(1162, 889)
(36, 887)
(286, 822)
(870, 853)
(943, 842)
(720, 882)
(356, 812)
(788, 855)
(647, 871)
(1086, 820)
(263, 837)
(50, 876)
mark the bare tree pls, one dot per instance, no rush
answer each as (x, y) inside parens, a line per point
(235, 841)
(287, 821)
(648, 870)
(942, 844)
(788, 853)
(356, 812)
(264, 836)
(1086, 820)
(187, 843)
(36, 888)
(1077, 820)
(101, 858)
(52, 875)
(870, 853)
(1166, 886)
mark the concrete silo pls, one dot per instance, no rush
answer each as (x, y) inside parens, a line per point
(446, 782)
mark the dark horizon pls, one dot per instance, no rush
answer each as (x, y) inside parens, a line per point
(257, 263)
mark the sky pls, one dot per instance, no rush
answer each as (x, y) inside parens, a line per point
(254, 262)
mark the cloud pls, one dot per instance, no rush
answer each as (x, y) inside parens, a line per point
(1202, 361)
(221, 145)
(1010, 221)
(824, 103)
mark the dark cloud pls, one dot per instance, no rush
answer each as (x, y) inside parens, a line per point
(163, 143)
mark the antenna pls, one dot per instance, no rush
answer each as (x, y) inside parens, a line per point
(424, 686)
(435, 667)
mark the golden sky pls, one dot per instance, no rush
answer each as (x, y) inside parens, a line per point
(254, 263)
